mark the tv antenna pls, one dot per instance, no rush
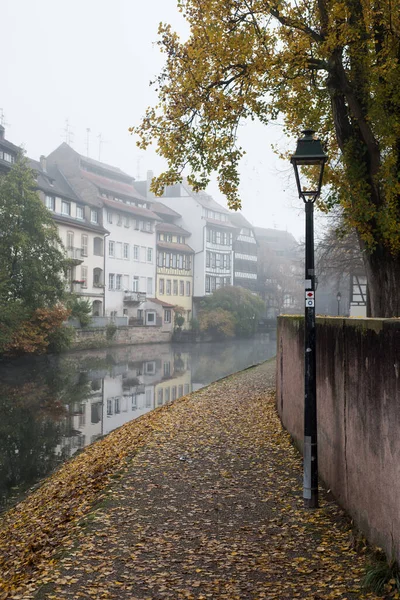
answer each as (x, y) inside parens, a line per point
(68, 135)
(3, 121)
(101, 142)
(87, 140)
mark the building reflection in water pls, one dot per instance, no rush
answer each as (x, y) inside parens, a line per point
(51, 407)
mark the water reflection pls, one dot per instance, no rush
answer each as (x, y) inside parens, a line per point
(50, 407)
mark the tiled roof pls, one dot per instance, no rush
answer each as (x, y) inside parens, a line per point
(175, 246)
(161, 302)
(100, 165)
(171, 228)
(131, 209)
(111, 185)
(239, 220)
(161, 209)
(220, 223)
(79, 223)
(52, 181)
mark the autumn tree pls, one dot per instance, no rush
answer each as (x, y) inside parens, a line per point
(245, 308)
(328, 64)
(32, 262)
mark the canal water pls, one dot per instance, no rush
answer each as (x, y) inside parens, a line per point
(53, 406)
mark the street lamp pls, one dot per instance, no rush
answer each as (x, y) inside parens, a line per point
(338, 298)
(309, 159)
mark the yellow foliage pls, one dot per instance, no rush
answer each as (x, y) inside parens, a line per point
(332, 65)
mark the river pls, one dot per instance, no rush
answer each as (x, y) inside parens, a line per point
(53, 406)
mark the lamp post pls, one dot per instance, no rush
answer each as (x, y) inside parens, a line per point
(309, 156)
(338, 298)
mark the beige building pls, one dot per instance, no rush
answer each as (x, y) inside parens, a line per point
(175, 269)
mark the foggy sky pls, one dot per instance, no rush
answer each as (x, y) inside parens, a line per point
(91, 61)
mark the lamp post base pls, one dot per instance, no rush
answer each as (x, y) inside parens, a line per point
(311, 502)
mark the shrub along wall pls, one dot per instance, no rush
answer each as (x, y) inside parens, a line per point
(358, 400)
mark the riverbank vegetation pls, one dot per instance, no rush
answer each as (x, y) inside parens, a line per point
(31, 270)
(230, 311)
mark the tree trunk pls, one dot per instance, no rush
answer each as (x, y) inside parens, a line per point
(383, 277)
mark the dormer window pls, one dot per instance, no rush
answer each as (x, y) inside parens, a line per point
(50, 203)
(94, 217)
(79, 212)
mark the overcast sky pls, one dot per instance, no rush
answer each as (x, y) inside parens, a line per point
(90, 61)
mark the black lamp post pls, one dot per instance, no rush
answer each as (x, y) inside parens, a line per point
(338, 298)
(309, 156)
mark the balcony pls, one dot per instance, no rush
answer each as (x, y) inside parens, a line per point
(75, 255)
(134, 297)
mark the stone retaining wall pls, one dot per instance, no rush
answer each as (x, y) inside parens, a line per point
(123, 336)
(358, 400)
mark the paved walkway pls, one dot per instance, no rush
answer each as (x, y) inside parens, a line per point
(210, 507)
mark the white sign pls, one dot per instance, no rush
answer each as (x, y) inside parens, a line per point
(309, 294)
(308, 284)
(310, 302)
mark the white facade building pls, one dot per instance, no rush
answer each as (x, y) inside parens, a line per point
(211, 236)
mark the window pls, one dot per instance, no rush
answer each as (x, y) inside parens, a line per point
(208, 259)
(8, 157)
(65, 208)
(111, 281)
(168, 287)
(188, 288)
(84, 276)
(167, 394)
(175, 287)
(167, 369)
(116, 406)
(173, 392)
(167, 260)
(148, 398)
(97, 276)
(50, 202)
(118, 284)
(218, 237)
(136, 253)
(98, 246)
(180, 391)
(181, 288)
(94, 217)
(119, 221)
(149, 286)
(126, 251)
(160, 397)
(127, 222)
(167, 315)
(161, 287)
(111, 248)
(151, 317)
(109, 407)
(84, 244)
(70, 239)
(180, 261)
(208, 286)
(149, 255)
(148, 226)
(135, 284)
(109, 217)
(160, 259)
(174, 261)
(80, 212)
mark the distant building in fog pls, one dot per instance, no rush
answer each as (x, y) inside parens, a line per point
(245, 264)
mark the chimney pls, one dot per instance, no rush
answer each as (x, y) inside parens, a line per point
(150, 176)
(2, 130)
(43, 163)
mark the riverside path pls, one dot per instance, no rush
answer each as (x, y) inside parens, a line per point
(199, 499)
